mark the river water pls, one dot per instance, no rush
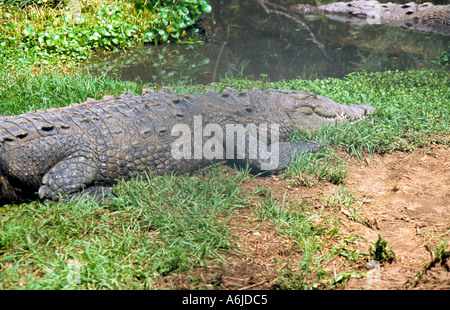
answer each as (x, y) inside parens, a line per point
(247, 41)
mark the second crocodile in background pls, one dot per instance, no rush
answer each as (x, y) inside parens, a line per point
(89, 146)
(425, 17)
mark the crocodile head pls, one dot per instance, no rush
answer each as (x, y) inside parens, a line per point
(313, 111)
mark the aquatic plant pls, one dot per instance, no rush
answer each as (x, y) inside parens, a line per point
(73, 30)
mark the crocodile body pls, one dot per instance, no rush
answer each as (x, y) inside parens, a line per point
(424, 17)
(89, 146)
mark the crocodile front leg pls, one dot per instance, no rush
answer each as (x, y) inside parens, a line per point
(75, 167)
(262, 155)
(54, 165)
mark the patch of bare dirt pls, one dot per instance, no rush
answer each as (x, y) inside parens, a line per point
(409, 197)
(404, 197)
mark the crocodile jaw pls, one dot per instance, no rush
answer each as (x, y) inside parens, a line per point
(322, 111)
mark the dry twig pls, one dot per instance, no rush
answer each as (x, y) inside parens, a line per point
(280, 10)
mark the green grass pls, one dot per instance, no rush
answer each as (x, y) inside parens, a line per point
(294, 221)
(168, 225)
(310, 169)
(25, 91)
(158, 227)
(412, 110)
(153, 227)
(381, 252)
(441, 256)
(310, 232)
(412, 107)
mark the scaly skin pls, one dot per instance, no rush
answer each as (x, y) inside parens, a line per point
(89, 146)
(423, 17)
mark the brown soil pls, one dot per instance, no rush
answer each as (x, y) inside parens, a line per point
(406, 201)
(410, 196)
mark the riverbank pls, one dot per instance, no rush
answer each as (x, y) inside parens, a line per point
(147, 239)
(377, 195)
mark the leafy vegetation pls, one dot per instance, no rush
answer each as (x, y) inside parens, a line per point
(380, 252)
(26, 3)
(172, 18)
(445, 58)
(73, 30)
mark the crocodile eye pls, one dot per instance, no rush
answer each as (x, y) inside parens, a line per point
(307, 110)
(249, 110)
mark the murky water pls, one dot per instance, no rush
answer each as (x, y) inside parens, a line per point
(247, 41)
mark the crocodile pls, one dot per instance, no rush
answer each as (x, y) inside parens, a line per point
(424, 17)
(87, 147)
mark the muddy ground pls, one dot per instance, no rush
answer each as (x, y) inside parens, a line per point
(403, 197)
